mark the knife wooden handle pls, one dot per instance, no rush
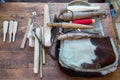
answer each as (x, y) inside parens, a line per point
(70, 25)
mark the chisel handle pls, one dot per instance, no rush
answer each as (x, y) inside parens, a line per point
(70, 25)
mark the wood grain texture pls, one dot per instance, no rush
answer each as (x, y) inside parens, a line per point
(17, 64)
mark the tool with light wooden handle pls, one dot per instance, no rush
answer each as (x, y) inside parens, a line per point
(36, 51)
(11, 23)
(70, 25)
(15, 25)
(5, 28)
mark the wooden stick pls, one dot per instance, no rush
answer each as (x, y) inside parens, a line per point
(36, 51)
(37, 37)
(77, 36)
(41, 65)
(26, 33)
(47, 30)
(43, 51)
(41, 54)
(30, 36)
(44, 57)
(70, 25)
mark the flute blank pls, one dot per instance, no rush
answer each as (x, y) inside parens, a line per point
(15, 25)
(10, 30)
(5, 28)
(36, 51)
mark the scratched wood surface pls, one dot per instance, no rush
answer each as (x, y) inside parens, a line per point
(17, 64)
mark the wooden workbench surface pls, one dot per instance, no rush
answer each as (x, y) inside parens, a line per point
(17, 63)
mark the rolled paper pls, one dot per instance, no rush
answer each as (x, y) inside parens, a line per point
(83, 21)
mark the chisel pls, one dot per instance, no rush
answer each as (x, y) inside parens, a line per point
(5, 28)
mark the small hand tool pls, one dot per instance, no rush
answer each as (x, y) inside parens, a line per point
(26, 33)
(70, 25)
(30, 21)
(15, 25)
(5, 28)
(10, 30)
